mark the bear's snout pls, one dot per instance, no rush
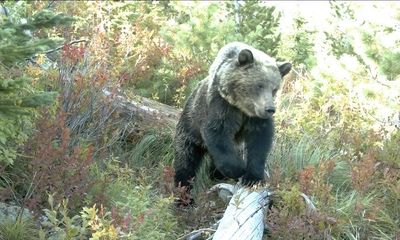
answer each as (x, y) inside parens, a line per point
(265, 112)
(270, 110)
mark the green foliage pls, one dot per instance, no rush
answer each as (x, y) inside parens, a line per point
(389, 64)
(16, 104)
(19, 229)
(89, 224)
(151, 146)
(391, 153)
(301, 50)
(374, 38)
(366, 218)
(292, 218)
(386, 57)
(146, 212)
(202, 35)
(339, 42)
(195, 43)
(135, 204)
(131, 210)
(18, 97)
(257, 25)
(16, 43)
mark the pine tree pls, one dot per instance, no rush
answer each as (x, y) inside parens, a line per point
(257, 24)
(18, 98)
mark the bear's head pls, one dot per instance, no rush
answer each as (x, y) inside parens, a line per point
(247, 78)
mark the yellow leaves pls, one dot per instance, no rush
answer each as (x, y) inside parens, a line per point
(106, 233)
(100, 227)
(33, 71)
(292, 199)
(41, 58)
(179, 96)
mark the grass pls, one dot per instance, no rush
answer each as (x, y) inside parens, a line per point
(19, 229)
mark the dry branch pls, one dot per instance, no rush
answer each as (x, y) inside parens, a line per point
(244, 216)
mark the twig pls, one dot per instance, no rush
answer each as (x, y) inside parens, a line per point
(310, 205)
(31, 59)
(70, 43)
(4, 10)
(196, 234)
(50, 4)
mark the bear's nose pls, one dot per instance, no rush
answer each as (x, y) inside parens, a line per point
(270, 110)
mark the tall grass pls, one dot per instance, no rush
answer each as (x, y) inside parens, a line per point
(18, 229)
(291, 157)
(154, 148)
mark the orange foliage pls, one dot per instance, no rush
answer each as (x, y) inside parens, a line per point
(313, 180)
(363, 172)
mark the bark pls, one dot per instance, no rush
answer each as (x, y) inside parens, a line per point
(244, 216)
(144, 112)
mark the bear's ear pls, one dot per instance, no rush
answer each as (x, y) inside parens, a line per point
(245, 57)
(284, 67)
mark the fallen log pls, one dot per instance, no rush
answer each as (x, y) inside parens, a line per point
(146, 113)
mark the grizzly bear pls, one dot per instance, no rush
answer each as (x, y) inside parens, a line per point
(232, 107)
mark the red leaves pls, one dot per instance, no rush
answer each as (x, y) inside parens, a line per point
(55, 165)
(363, 172)
(306, 178)
(72, 54)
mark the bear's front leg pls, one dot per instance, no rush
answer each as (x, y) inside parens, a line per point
(221, 146)
(188, 157)
(258, 139)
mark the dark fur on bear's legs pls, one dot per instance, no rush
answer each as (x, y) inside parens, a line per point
(258, 137)
(220, 142)
(223, 151)
(215, 174)
(187, 162)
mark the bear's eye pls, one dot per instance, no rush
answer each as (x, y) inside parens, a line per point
(260, 86)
